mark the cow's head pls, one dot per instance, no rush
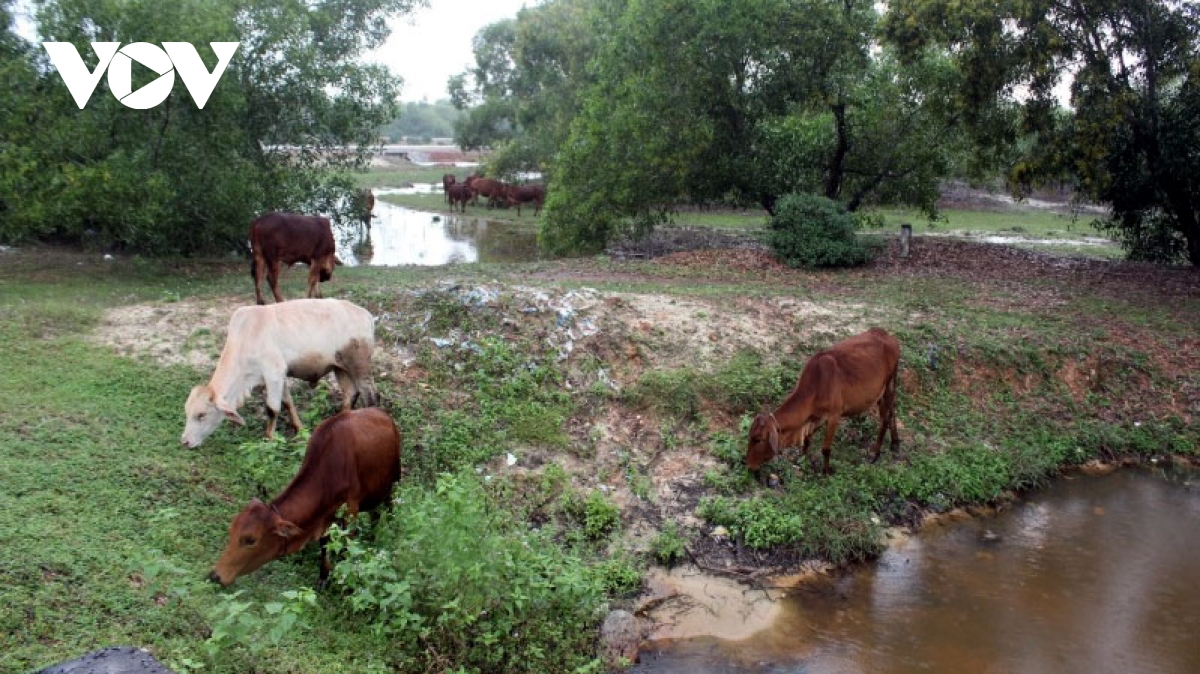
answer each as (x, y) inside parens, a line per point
(764, 441)
(204, 411)
(326, 266)
(257, 535)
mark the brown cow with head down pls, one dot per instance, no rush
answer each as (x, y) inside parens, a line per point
(523, 194)
(353, 458)
(845, 380)
(288, 238)
(364, 206)
(495, 191)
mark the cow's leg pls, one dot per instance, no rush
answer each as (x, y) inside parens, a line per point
(354, 360)
(260, 270)
(831, 425)
(291, 408)
(273, 396)
(314, 279)
(349, 390)
(273, 279)
(887, 412)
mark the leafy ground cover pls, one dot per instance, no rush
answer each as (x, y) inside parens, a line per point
(580, 418)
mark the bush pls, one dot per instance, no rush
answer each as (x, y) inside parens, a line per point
(670, 545)
(454, 584)
(812, 231)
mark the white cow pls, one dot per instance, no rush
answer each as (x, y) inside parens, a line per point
(267, 344)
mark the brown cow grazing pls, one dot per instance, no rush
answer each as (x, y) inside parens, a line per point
(364, 206)
(845, 380)
(448, 179)
(495, 191)
(288, 238)
(353, 458)
(521, 194)
(460, 194)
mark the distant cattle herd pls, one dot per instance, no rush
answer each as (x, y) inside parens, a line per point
(353, 457)
(497, 193)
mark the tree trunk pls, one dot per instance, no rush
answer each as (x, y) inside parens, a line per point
(836, 170)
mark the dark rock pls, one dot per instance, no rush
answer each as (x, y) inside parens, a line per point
(112, 660)
(620, 637)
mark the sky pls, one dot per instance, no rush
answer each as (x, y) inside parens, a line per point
(433, 43)
(426, 47)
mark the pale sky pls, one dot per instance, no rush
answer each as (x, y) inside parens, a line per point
(433, 43)
(425, 47)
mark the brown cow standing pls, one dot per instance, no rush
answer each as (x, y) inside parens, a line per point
(353, 458)
(495, 191)
(448, 179)
(520, 194)
(844, 380)
(288, 238)
(364, 206)
(460, 194)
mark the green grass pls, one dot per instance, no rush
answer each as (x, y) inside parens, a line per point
(400, 177)
(107, 526)
(1030, 223)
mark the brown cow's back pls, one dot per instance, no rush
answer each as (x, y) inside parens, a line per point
(867, 361)
(285, 239)
(845, 380)
(494, 190)
(353, 458)
(523, 194)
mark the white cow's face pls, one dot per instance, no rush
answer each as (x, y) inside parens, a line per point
(204, 412)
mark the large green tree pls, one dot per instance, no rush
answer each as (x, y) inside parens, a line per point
(523, 92)
(175, 178)
(1129, 135)
(746, 101)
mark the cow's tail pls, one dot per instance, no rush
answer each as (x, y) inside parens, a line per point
(253, 268)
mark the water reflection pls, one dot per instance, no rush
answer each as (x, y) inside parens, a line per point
(400, 236)
(1097, 575)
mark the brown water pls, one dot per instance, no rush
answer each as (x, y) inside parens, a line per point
(400, 236)
(1097, 574)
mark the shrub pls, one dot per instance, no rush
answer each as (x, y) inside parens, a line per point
(670, 545)
(453, 584)
(812, 231)
(597, 516)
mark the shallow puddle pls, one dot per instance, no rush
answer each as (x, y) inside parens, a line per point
(1098, 574)
(401, 236)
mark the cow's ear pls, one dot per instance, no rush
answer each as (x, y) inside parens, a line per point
(286, 529)
(773, 436)
(230, 413)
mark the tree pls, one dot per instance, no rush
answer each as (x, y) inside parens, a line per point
(1129, 135)
(177, 179)
(746, 101)
(523, 92)
(423, 120)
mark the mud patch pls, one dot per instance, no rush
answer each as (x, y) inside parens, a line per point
(684, 603)
(189, 333)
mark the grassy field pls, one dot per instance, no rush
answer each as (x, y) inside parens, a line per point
(566, 424)
(401, 176)
(1025, 226)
